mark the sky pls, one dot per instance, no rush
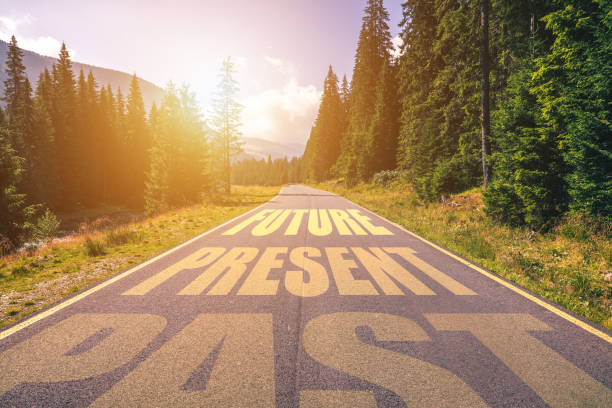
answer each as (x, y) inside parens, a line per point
(282, 48)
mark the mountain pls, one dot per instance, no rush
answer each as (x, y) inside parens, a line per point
(36, 63)
(260, 149)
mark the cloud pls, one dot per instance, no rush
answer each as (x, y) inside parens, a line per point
(397, 43)
(284, 67)
(44, 45)
(284, 114)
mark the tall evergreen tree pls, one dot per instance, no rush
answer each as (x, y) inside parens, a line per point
(138, 140)
(345, 94)
(43, 164)
(226, 122)
(14, 93)
(14, 214)
(528, 184)
(440, 142)
(381, 149)
(63, 114)
(371, 55)
(574, 89)
(2, 118)
(179, 166)
(323, 148)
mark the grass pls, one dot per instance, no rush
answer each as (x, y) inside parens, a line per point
(30, 281)
(566, 265)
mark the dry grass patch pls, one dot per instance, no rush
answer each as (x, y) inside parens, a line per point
(32, 280)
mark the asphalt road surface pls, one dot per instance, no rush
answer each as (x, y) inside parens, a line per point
(310, 301)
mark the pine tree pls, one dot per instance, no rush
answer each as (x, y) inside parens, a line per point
(63, 114)
(381, 149)
(226, 122)
(137, 142)
(179, 167)
(13, 94)
(345, 94)
(43, 162)
(2, 119)
(97, 139)
(14, 214)
(120, 152)
(372, 52)
(528, 185)
(83, 143)
(29, 139)
(108, 145)
(325, 139)
(440, 142)
(574, 89)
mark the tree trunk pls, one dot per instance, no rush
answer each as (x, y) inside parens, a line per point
(484, 81)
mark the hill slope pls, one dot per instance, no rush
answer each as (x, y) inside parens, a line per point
(36, 63)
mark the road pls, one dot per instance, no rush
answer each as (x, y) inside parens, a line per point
(310, 301)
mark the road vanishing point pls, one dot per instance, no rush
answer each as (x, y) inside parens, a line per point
(307, 301)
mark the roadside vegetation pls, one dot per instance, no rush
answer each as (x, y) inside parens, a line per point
(567, 265)
(31, 280)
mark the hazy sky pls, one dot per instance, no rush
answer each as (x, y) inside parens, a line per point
(282, 47)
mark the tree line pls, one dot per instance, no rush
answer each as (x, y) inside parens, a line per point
(71, 143)
(518, 90)
(253, 172)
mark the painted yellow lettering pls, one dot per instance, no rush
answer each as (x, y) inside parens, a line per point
(271, 223)
(331, 340)
(47, 356)
(557, 381)
(319, 225)
(381, 266)
(239, 227)
(365, 221)
(257, 282)
(296, 222)
(242, 376)
(234, 261)
(318, 281)
(443, 279)
(199, 259)
(345, 281)
(343, 221)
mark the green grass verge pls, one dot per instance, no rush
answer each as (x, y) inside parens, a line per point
(567, 265)
(31, 281)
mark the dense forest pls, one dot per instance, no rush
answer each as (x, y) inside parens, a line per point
(71, 143)
(511, 95)
(253, 172)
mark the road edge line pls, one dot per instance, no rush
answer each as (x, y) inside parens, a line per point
(67, 302)
(556, 309)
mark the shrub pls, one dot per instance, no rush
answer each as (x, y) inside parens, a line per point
(46, 227)
(386, 177)
(122, 237)
(94, 247)
(6, 246)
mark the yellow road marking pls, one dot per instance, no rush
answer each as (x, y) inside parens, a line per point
(554, 309)
(443, 279)
(34, 319)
